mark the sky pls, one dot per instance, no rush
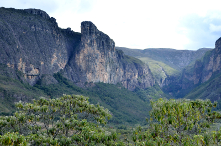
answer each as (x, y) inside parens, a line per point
(138, 24)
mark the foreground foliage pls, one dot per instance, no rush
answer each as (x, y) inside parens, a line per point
(180, 122)
(72, 120)
(69, 120)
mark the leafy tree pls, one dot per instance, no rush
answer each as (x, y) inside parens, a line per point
(69, 120)
(179, 122)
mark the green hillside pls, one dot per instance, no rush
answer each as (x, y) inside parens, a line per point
(127, 107)
(159, 69)
(210, 89)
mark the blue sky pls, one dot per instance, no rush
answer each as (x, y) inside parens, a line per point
(140, 24)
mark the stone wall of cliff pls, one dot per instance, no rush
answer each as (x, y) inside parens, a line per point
(96, 60)
(32, 42)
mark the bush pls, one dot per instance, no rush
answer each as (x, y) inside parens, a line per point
(68, 120)
(179, 122)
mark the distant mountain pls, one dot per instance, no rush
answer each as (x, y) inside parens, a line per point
(165, 62)
(205, 75)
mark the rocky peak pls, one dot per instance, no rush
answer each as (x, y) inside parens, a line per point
(218, 43)
(88, 29)
(91, 34)
(38, 12)
(98, 61)
(42, 14)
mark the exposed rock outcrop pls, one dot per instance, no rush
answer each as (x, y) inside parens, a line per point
(96, 60)
(33, 45)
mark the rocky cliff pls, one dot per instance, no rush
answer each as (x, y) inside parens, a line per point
(32, 44)
(97, 60)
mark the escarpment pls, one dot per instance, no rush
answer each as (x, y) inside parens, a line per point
(34, 47)
(97, 60)
(32, 43)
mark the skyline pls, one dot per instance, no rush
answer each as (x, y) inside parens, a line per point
(138, 24)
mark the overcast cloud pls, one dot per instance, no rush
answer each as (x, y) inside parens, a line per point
(186, 24)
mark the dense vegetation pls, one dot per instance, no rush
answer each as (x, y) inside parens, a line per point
(128, 107)
(180, 122)
(72, 120)
(69, 120)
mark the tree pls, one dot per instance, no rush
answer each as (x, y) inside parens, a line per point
(179, 122)
(69, 120)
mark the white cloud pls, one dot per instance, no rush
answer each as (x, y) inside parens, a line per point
(214, 28)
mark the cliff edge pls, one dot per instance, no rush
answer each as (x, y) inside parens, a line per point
(97, 60)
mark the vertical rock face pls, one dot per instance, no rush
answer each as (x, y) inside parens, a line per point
(96, 60)
(32, 44)
(97, 55)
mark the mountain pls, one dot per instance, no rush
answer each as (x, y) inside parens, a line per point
(96, 60)
(164, 62)
(32, 43)
(37, 58)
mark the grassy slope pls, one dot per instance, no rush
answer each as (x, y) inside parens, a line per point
(159, 69)
(126, 106)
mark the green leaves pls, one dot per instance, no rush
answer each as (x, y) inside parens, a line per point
(63, 121)
(13, 139)
(179, 122)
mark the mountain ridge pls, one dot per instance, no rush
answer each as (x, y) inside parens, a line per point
(42, 48)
